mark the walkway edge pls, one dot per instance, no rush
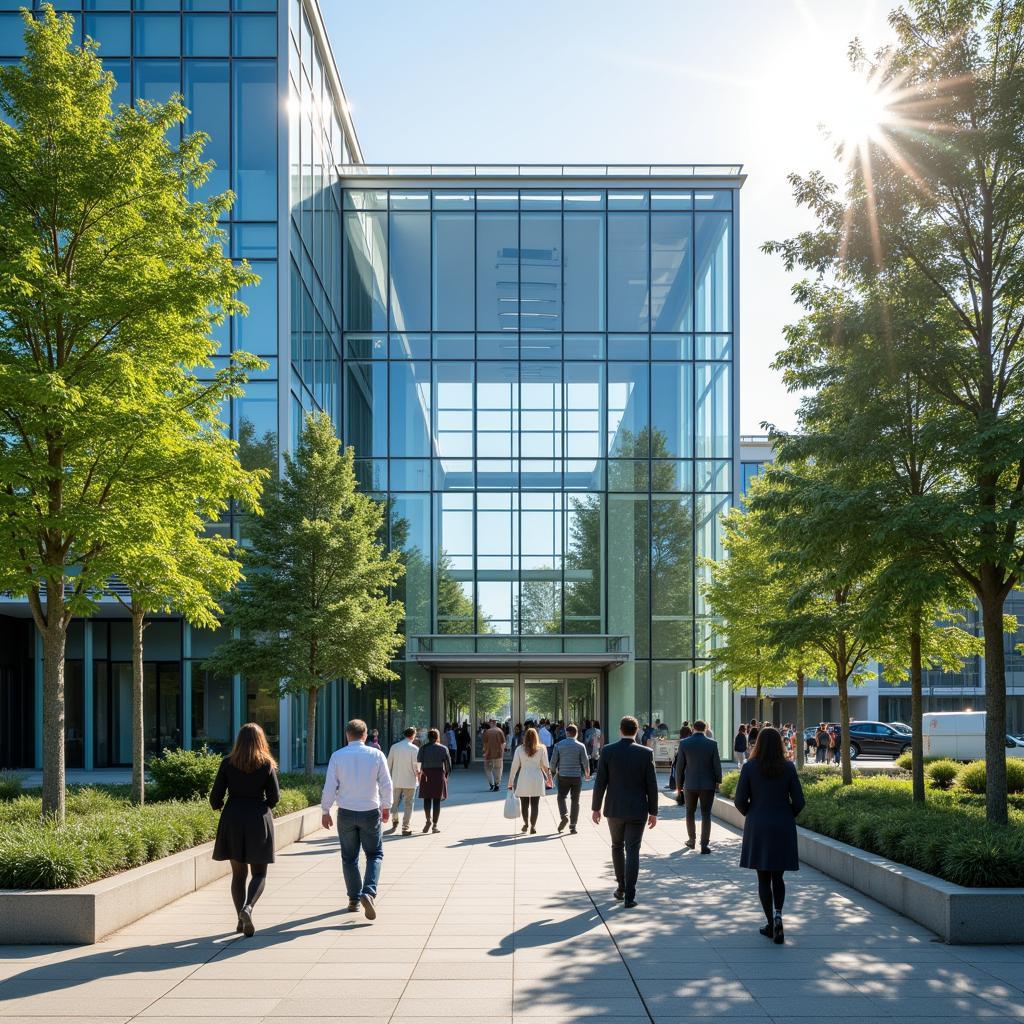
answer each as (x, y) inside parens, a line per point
(91, 912)
(956, 913)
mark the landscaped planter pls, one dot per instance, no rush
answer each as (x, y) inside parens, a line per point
(88, 913)
(956, 913)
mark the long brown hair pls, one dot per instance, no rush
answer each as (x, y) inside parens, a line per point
(251, 750)
(769, 753)
(531, 741)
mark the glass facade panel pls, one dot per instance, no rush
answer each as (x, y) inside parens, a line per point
(584, 272)
(206, 35)
(540, 272)
(713, 272)
(671, 272)
(254, 149)
(453, 255)
(409, 252)
(207, 96)
(497, 272)
(628, 268)
(157, 35)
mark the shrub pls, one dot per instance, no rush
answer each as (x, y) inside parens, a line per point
(10, 785)
(984, 855)
(972, 777)
(728, 787)
(942, 773)
(184, 774)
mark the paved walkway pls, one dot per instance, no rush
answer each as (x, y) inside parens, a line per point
(477, 924)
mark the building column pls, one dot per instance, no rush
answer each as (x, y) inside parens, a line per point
(88, 702)
(284, 755)
(39, 699)
(237, 703)
(186, 684)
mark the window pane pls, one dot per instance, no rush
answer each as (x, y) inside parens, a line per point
(713, 410)
(628, 568)
(156, 80)
(366, 408)
(713, 274)
(206, 96)
(627, 410)
(254, 35)
(671, 271)
(672, 410)
(410, 409)
(540, 269)
(256, 426)
(365, 271)
(122, 72)
(112, 31)
(584, 271)
(627, 272)
(497, 271)
(157, 35)
(206, 35)
(410, 535)
(257, 332)
(672, 576)
(255, 140)
(453, 271)
(409, 247)
(453, 410)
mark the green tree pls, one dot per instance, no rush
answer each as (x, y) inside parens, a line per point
(111, 282)
(165, 558)
(315, 607)
(937, 199)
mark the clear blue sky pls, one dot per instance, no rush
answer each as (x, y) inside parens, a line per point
(605, 81)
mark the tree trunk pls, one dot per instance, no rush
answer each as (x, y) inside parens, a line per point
(798, 740)
(138, 711)
(843, 682)
(916, 714)
(995, 707)
(757, 704)
(54, 642)
(310, 730)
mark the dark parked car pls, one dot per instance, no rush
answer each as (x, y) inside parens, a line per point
(870, 738)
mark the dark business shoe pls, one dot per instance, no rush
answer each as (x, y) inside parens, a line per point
(368, 908)
(353, 906)
(768, 931)
(426, 828)
(629, 904)
(239, 927)
(780, 935)
(705, 849)
(435, 830)
(572, 830)
(691, 844)
(406, 831)
(245, 917)
(562, 824)
(619, 894)
(394, 827)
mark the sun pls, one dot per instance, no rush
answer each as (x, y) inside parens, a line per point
(855, 112)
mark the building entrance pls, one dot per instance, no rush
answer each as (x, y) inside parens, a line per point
(516, 699)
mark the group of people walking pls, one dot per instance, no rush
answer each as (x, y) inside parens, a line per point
(747, 733)
(368, 789)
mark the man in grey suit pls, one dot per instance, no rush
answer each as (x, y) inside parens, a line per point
(698, 775)
(572, 763)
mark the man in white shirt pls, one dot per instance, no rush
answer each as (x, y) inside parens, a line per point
(544, 735)
(405, 773)
(359, 783)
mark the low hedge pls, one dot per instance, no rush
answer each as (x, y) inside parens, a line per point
(104, 833)
(183, 774)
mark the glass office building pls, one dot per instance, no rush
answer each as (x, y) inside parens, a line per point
(535, 366)
(538, 375)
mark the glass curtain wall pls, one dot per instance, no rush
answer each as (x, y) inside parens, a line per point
(539, 385)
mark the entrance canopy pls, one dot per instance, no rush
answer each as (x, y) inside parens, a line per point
(520, 651)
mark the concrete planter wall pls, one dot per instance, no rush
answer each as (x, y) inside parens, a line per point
(87, 914)
(954, 912)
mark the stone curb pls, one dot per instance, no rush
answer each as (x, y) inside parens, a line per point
(91, 912)
(956, 913)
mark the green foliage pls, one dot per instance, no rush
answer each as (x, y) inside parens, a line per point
(184, 774)
(947, 837)
(10, 785)
(105, 833)
(316, 605)
(729, 783)
(942, 773)
(972, 776)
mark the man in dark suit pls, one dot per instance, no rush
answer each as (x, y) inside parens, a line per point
(627, 788)
(698, 775)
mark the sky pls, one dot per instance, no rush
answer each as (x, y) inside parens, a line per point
(612, 81)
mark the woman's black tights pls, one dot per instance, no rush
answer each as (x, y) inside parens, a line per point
(771, 888)
(432, 808)
(530, 806)
(239, 873)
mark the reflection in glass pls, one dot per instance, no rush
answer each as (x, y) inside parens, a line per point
(365, 271)
(206, 96)
(672, 407)
(671, 575)
(366, 407)
(540, 271)
(584, 271)
(713, 297)
(627, 272)
(254, 150)
(497, 271)
(410, 417)
(453, 271)
(671, 271)
(713, 410)
(627, 409)
(409, 249)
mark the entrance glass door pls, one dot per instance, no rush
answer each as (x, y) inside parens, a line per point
(515, 700)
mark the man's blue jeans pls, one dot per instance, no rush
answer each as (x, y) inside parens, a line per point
(360, 829)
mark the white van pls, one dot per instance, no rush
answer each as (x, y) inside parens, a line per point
(960, 735)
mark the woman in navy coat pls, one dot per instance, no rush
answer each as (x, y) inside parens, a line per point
(769, 796)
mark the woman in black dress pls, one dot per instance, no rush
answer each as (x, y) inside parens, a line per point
(245, 833)
(435, 766)
(770, 797)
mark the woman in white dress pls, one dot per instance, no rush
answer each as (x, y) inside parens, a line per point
(529, 776)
